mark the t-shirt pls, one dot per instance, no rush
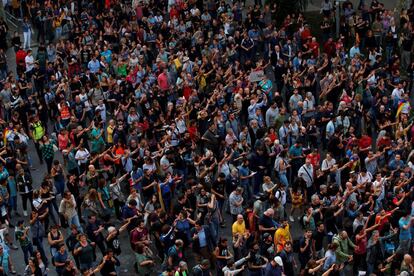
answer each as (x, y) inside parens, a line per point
(239, 228)
(405, 234)
(60, 258)
(86, 255)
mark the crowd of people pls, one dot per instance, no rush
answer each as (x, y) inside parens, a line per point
(218, 138)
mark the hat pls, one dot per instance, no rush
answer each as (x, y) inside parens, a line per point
(111, 229)
(185, 59)
(278, 260)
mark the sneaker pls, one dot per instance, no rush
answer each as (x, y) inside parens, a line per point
(12, 246)
(291, 219)
(25, 213)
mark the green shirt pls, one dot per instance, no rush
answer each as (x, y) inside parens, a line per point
(19, 236)
(142, 270)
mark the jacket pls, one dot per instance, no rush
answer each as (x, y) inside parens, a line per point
(211, 243)
(24, 181)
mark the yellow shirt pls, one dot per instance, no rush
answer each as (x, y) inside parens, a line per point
(283, 235)
(238, 228)
(110, 131)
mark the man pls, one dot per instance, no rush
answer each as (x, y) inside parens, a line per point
(274, 267)
(218, 190)
(203, 242)
(236, 201)
(282, 235)
(108, 265)
(344, 246)
(404, 224)
(256, 262)
(94, 230)
(239, 226)
(288, 258)
(202, 269)
(305, 249)
(60, 258)
(22, 235)
(317, 241)
(306, 173)
(266, 223)
(175, 253)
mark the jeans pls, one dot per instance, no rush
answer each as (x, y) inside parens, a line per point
(75, 220)
(60, 187)
(27, 252)
(13, 203)
(27, 37)
(25, 197)
(283, 179)
(58, 33)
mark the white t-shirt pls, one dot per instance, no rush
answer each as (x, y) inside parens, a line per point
(29, 60)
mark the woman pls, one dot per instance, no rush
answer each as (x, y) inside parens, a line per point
(40, 263)
(54, 238)
(105, 199)
(144, 263)
(86, 252)
(91, 204)
(137, 197)
(27, 33)
(58, 176)
(183, 225)
(97, 140)
(48, 152)
(281, 166)
(151, 207)
(360, 251)
(32, 269)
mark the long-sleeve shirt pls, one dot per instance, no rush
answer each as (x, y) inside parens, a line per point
(230, 272)
(253, 107)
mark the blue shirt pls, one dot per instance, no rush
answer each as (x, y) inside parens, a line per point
(94, 66)
(244, 171)
(202, 238)
(405, 234)
(4, 174)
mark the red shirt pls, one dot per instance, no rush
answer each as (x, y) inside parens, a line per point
(20, 56)
(315, 48)
(314, 158)
(364, 142)
(163, 81)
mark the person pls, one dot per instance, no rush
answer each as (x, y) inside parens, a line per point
(24, 186)
(86, 252)
(344, 247)
(6, 264)
(60, 258)
(128, 89)
(274, 267)
(282, 235)
(108, 265)
(22, 235)
(256, 262)
(68, 210)
(55, 239)
(32, 269)
(203, 242)
(144, 263)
